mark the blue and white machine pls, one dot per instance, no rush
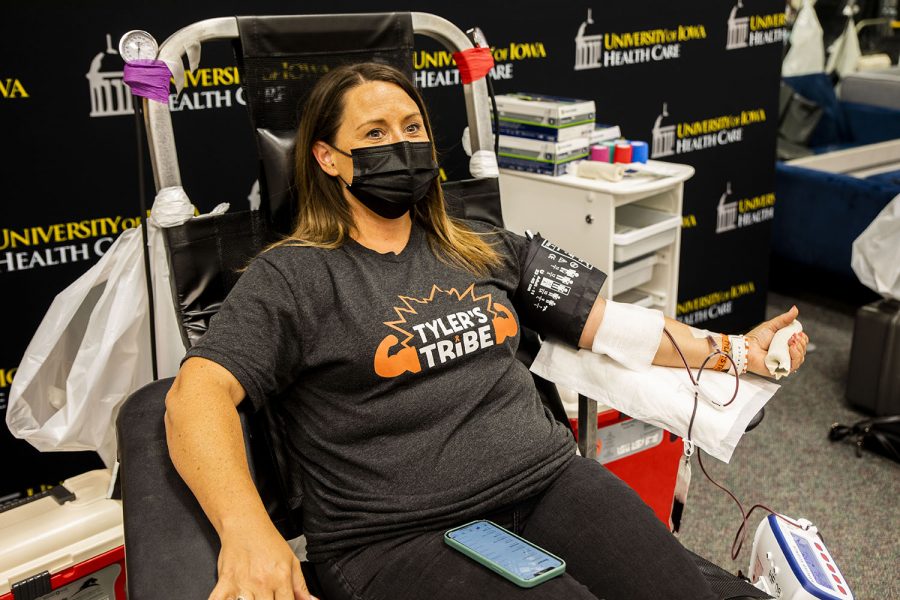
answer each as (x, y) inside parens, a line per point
(793, 563)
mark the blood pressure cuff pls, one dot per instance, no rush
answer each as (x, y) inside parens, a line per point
(556, 290)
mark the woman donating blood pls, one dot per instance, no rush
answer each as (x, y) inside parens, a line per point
(382, 333)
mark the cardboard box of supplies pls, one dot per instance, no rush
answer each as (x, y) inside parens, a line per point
(539, 156)
(543, 117)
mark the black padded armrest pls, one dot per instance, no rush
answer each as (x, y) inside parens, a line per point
(171, 548)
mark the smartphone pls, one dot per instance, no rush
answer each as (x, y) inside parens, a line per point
(505, 553)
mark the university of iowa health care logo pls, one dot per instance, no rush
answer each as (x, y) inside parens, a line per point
(440, 328)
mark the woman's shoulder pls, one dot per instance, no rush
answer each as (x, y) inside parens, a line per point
(496, 235)
(290, 257)
(289, 250)
(298, 269)
(492, 232)
(480, 226)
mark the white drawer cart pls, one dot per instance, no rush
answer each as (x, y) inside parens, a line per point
(608, 224)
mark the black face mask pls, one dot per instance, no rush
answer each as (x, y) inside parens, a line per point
(390, 179)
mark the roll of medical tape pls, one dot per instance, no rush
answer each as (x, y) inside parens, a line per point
(600, 153)
(639, 152)
(623, 153)
(611, 148)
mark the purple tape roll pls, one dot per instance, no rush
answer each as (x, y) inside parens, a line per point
(148, 78)
(600, 153)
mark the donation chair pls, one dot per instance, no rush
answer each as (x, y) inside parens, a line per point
(171, 548)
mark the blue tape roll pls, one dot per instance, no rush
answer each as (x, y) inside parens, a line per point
(639, 152)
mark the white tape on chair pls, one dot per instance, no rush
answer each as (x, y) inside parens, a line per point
(483, 165)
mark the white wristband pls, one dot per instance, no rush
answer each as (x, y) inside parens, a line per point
(629, 334)
(740, 348)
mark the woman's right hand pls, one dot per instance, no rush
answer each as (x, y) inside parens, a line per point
(206, 443)
(256, 563)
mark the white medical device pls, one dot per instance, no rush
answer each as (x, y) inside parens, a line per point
(792, 562)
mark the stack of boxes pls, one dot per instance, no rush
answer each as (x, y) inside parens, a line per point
(544, 134)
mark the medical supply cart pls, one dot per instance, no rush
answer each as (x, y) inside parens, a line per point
(629, 229)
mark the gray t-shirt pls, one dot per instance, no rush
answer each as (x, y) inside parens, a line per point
(397, 382)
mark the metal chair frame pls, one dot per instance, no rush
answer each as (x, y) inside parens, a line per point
(161, 137)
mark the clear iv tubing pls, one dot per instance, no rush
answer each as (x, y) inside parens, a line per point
(741, 535)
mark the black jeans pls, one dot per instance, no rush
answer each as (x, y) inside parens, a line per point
(614, 548)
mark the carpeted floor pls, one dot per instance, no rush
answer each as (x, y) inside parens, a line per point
(788, 464)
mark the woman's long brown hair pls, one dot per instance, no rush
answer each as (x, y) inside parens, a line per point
(324, 218)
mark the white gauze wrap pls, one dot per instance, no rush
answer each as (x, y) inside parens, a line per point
(629, 334)
(778, 359)
(593, 169)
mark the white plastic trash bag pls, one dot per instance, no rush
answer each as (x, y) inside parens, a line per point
(844, 53)
(807, 53)
(876, 252)
(92, 348)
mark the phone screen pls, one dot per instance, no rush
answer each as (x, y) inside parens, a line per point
(508, 551)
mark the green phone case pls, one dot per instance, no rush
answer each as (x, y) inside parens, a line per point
(525, 583)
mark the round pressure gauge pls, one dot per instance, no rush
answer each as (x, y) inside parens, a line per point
(137, 44)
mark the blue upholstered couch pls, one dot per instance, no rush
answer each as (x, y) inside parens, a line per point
(843, 124)
(819, 214)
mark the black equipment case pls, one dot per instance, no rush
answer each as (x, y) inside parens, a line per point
(873, 382)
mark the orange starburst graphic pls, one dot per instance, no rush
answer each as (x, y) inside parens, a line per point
(408, 309)
(390, 362)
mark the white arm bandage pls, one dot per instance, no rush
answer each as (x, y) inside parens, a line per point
(629, 334)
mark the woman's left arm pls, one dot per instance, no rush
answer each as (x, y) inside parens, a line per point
(697, 349)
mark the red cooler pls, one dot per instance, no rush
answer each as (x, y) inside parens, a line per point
(65, 545)
(642, 455)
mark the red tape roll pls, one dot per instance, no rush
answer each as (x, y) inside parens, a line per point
(473, 63)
